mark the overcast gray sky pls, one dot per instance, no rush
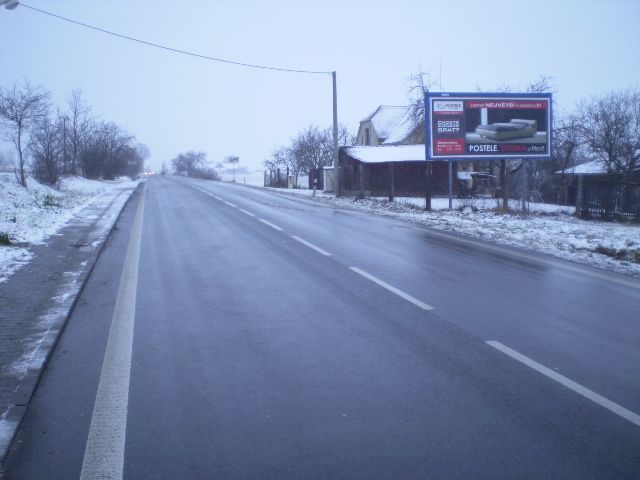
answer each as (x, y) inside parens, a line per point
(175, 103)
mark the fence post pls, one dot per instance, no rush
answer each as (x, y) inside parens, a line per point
(579, 196)
(392, 181)
(427, 199)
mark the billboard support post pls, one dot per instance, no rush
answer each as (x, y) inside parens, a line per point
(450, 184)
(427, 197)
(429, 171)
(524, 185)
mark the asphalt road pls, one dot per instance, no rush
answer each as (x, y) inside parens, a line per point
(273, 337)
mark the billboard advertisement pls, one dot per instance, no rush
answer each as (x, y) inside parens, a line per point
(477, 126)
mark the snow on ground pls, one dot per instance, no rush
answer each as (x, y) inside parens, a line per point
(544, 228)
(29, 215)
(255, 178)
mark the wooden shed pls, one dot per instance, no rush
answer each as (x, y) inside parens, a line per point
(398, 170)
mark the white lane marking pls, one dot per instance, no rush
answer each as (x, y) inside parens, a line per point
(392, 289)
(246, 212)
(270, 224)
(570, 384)
(104, 452)
(230, 204)
(311, 245)
(217, 197)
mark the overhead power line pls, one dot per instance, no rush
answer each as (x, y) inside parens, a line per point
(170, 49)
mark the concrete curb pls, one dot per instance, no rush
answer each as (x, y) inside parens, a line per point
(57, 316)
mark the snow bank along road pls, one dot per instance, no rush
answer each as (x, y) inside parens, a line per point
(251, 335)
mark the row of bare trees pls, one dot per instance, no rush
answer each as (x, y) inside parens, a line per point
(310, 150)
(50, 144)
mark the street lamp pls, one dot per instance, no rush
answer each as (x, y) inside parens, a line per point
(9, 4)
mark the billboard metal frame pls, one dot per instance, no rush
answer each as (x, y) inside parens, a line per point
(494, 97)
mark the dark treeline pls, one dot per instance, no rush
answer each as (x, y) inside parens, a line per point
(193, 164)
(50, 143)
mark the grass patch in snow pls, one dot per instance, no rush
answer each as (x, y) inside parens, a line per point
(52, 201)
(619, 254)
(4, 239)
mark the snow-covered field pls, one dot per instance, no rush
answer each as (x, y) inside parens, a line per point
(544, 228)
(28, 216)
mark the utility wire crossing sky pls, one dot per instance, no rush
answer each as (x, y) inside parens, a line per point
(232, 103)
(170, 49)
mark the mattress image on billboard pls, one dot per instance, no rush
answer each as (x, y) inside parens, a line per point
(515, 128)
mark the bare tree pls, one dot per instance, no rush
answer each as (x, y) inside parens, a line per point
(419, 83)
(567, 151)
(20, 109)
(103, 154)
(312, 149)
(544, 84)
(46, 148)
(188, 163)
(77, 129)
(610, 127)
(142, 153)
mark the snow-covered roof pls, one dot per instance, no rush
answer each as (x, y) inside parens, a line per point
(385, 119)
(402, 130)
(391, 153)
(595, 167)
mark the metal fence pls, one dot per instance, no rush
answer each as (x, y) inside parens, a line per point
(612, 201)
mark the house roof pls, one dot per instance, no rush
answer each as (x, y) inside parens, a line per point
(386, 118)
(595, 167)
(384, 154)
(402, 129)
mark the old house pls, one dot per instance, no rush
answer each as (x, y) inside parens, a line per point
(389, 158)
(399, 170)
(389, 125)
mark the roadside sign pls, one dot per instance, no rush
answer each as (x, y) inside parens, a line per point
(478, 125)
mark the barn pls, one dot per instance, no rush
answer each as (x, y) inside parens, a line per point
(394, 170)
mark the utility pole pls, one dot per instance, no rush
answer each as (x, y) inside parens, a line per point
(336, 165)
(64, 145)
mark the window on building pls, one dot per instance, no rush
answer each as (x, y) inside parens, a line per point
(367, 137)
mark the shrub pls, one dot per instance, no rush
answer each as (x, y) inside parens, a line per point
(51, 201)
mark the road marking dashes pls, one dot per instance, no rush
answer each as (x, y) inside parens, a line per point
(311, 245)
(270, 224)
(392, 289)
(570, 384)
(246, 212)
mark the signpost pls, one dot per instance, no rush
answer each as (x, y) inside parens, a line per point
(233, 161)
(480, 126)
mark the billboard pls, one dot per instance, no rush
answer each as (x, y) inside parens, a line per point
(477, 126)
